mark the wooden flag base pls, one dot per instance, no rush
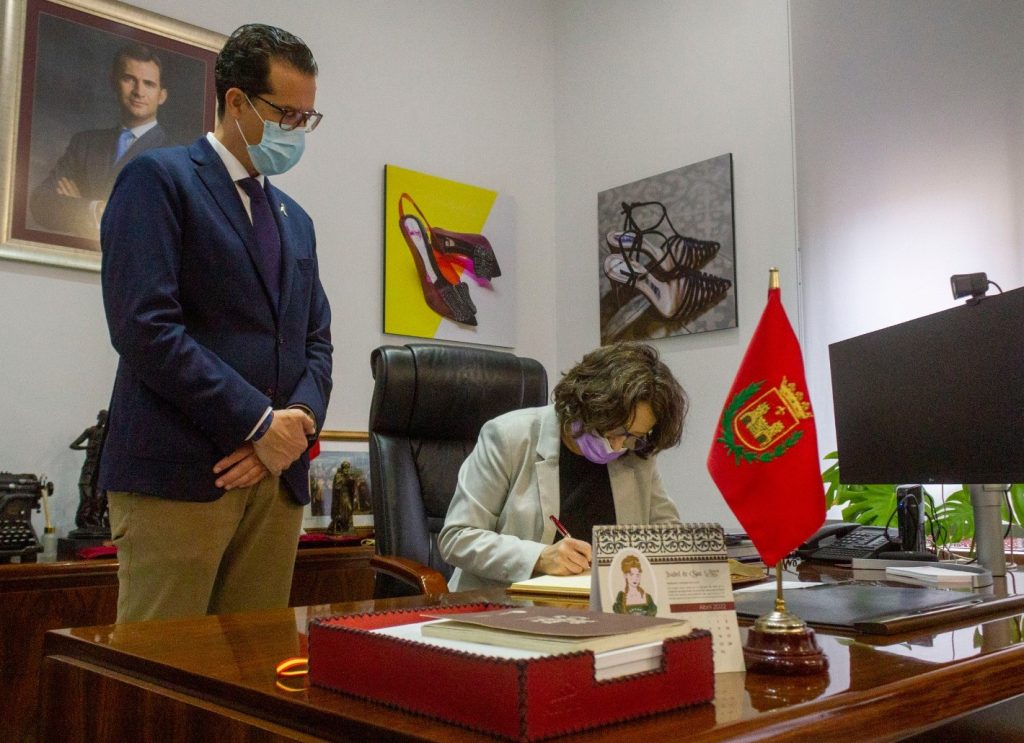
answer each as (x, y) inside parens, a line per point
(782, 643)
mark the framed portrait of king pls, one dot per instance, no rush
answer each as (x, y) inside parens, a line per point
(87, 85)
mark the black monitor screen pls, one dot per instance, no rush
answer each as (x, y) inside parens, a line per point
(939, 399)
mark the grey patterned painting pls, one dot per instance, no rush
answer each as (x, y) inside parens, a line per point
(667, 255)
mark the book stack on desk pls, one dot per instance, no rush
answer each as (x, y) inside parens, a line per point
(936, 576)
(555, 631)
(520, 698)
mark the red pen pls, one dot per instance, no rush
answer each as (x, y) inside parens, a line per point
(561, 527)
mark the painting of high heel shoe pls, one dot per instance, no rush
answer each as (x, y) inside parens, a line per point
(667, 253)
(475, 248)
(684, 297)
(443, 297)
(431, 264)
(661, 254)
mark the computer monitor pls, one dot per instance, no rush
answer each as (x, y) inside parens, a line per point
(939, 399)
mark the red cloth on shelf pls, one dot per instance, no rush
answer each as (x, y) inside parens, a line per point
(103, 550)
(336, 540)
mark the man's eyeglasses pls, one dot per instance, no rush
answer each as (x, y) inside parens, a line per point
(307, 120)
(631, 440)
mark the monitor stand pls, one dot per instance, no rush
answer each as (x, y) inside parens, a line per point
(987, 502)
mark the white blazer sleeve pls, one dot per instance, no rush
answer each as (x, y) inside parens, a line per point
(494, 522)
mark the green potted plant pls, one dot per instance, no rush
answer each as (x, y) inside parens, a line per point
(951, 521)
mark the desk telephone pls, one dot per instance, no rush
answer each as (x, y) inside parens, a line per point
(843, 542)
(19, 495)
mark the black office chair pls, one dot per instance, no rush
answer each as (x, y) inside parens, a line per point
(429, 402)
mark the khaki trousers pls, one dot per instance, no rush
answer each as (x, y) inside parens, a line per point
(178, 558)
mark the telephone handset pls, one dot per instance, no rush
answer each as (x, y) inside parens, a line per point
(842, 542)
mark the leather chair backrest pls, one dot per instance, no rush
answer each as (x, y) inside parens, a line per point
(429, 403)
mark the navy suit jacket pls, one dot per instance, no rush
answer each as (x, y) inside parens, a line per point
(203, 349)
(89, 162)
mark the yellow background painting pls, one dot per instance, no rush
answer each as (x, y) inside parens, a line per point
(458, 207)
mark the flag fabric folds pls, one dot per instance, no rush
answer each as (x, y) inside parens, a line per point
(764, 455)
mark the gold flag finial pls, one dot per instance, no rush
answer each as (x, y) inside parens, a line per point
(773, 278)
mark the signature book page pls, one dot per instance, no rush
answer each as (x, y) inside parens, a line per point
(554, 585)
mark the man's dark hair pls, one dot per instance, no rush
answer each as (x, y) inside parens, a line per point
(244, 62)
(138, 52)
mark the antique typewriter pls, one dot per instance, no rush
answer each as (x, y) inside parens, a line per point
(19, 495)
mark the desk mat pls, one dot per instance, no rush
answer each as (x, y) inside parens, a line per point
(871, 609)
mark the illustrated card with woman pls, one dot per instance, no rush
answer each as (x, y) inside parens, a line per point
(633, 596)
(669, 570)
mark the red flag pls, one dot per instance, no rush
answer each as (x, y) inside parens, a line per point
(764, 457)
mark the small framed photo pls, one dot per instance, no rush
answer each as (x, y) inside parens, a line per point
(88, 85)
(339, 486)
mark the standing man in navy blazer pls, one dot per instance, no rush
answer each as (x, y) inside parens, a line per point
(73, 196)
(214, 304)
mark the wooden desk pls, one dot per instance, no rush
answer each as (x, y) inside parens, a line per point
(36, 597)
(212, 678)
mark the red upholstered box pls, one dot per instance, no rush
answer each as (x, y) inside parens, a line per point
(516, 699)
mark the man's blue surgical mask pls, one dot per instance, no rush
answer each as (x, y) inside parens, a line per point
(279, 150)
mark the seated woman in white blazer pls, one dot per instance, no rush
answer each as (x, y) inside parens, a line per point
(588, 459)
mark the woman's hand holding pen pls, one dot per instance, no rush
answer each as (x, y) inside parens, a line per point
(567, 556)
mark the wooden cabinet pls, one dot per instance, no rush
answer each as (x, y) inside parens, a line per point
(36, 597)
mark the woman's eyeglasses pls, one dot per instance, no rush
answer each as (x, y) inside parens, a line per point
(631, 440)
(307, 120)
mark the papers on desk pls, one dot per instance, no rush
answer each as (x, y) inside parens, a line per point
(787, 585)
(939, 577)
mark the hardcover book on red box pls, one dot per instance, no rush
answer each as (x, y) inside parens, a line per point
(516, 699)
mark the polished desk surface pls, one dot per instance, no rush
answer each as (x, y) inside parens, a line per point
(36, 597)
(876, 687)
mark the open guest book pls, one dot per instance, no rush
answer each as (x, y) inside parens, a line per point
(577, 587)
(555, 630)
(568, 586)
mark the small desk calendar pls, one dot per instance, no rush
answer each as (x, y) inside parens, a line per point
(669, 570)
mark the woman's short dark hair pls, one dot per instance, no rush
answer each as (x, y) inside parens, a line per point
(602, 390)
(244, 62)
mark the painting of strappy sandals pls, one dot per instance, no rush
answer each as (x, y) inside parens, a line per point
(666, 253)
(448, 260)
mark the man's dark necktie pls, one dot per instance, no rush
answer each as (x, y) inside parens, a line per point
(268, 239)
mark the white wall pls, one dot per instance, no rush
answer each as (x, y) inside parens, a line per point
(455, 88)
(908, 119)
(648, 86)
(909, 149)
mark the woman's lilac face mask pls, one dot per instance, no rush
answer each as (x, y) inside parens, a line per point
(595, 448)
